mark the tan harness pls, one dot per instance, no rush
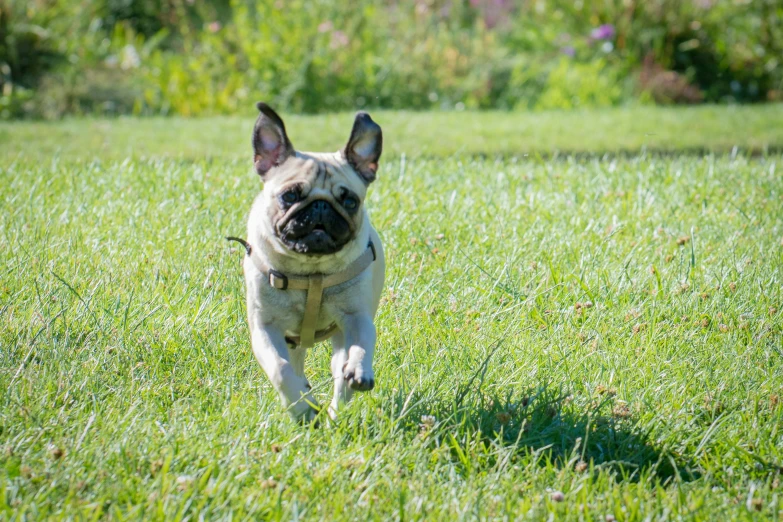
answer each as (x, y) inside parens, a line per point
(314, 284)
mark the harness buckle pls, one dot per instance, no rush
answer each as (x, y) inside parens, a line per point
(278, 280)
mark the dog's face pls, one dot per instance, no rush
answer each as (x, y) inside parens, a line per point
(315, 202)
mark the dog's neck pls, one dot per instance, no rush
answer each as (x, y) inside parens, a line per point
(282, 259)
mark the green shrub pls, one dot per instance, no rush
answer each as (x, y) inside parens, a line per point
(219, 56)
(571, 85)
(312, 57)
(26, 53)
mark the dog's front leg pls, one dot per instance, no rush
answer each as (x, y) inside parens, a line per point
(342, 393)
(352, 360)
(271, 351)
(359, 332)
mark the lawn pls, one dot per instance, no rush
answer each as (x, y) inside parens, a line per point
(583, 318)
(693, 129)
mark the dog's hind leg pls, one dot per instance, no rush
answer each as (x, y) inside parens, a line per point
(342, 392)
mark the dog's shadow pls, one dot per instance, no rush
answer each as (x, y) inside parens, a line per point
(553, 427)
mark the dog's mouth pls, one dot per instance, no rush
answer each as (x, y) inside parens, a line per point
(316, 229)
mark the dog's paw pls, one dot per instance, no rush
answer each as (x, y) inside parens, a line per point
(361, 383)
(358, 378)
(304, 412)
(308, 417)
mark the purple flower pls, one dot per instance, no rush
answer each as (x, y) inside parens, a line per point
(568, 51)
(603, 32)
(339, 39)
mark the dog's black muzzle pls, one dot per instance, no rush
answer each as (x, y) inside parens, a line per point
(316, 229)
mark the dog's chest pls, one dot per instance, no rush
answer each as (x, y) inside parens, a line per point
(292, 311)
(286, 308)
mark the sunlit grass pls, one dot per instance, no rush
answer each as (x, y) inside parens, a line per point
(605, 329)
(755, 128)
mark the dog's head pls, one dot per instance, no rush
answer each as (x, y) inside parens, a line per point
(315, 201)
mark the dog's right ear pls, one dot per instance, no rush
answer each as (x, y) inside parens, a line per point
(271, 146)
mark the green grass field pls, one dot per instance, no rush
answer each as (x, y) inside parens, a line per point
(565, 334)
(756, 129)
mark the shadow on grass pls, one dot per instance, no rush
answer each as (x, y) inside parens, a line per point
(546, 424)
(636, 152)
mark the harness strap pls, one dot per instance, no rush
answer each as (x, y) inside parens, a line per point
(312, 307)
(314, 284)
(283, 282)
(320, 335)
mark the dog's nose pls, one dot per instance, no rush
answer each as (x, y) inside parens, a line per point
(320, 209)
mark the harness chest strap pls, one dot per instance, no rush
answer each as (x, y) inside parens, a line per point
(314, 284)
(315, 291)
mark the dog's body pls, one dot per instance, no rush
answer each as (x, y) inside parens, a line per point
(320, 230)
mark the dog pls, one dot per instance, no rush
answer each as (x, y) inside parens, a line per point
(314, 268)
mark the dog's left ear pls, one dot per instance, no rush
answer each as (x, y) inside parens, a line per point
(364, 146)
(271, 146)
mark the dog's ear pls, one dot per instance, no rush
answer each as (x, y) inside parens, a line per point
(271, 146)
(364, 146)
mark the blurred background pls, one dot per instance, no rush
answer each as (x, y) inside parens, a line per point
(205, 57)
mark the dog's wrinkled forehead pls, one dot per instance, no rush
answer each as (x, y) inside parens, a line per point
(322, 172)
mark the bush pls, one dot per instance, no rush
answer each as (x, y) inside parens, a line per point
(218, 56)
(26, 53)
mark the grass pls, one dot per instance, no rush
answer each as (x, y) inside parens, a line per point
(704, 128)
(580, 336)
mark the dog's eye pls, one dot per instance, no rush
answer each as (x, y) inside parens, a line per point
(290, 197)
(350, 203)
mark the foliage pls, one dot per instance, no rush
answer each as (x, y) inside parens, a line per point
(216, 57)
(26, 52)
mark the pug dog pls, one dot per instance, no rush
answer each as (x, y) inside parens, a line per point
(315, 265)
